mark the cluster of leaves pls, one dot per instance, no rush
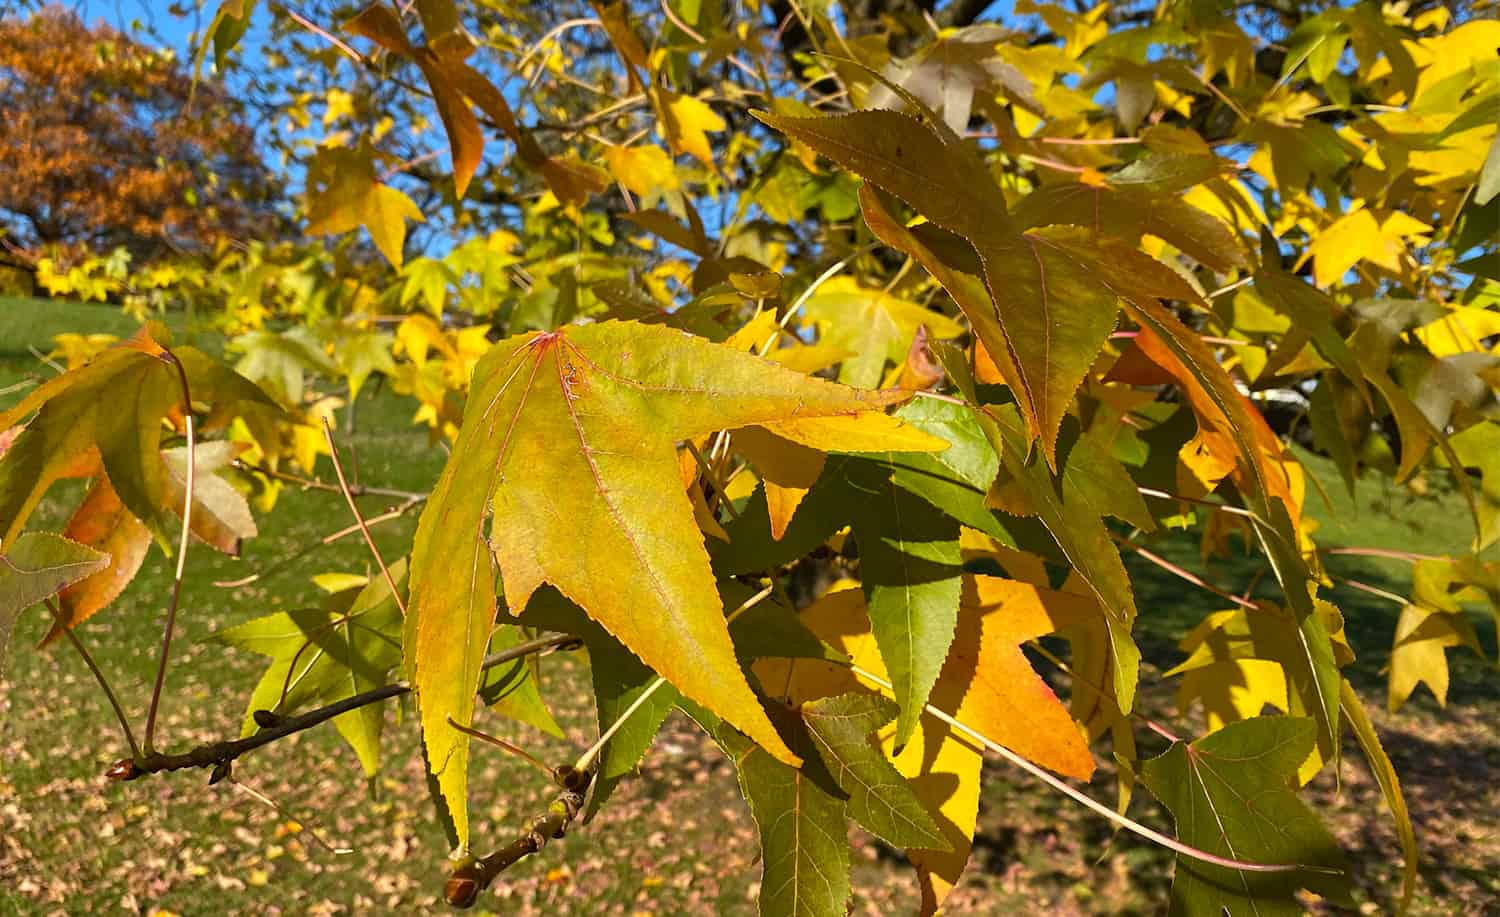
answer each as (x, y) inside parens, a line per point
(889, 340)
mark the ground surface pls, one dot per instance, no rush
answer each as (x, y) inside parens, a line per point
(679, 839)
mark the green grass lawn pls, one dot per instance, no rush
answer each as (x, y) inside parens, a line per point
(676, 841)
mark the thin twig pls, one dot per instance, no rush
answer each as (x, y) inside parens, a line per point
(215, 754)
(328, 539)
(1185, 574)
(1088, 801)
(338, 469)
(1391, 553)
(586, 760)
(1374, 590)
(311, 832)
(359, 490)
(500, 743)
(182, 549)
(1153, 725)
(1223, 507)
(109, 692)
(324, 34)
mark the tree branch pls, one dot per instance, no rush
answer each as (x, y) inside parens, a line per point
(470, 879)
(220, 755)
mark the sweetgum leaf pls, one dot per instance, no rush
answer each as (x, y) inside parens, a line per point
(1130, 213)
(986, 683)
(911, 568)
(37, 566)
(102, 522)
(801, 815)
(1065, 505)
(324, 655)
(879, 797)
(511, 689)
(619, 678)
(1231, 795)
(110, 411)
(1048, 315)
(570, 439)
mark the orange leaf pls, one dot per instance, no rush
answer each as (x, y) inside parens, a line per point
(986, 684)
(101, 522)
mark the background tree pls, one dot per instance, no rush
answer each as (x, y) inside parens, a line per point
(108, 144)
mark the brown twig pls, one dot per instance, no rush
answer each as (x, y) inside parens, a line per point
(503, 745)
(1185, 574)
(187, 515)
(88, 660)
(338, 469)
(219, 754)
(328, 539)
(470, 879)
(359, 490)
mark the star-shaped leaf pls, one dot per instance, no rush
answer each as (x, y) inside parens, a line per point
(1049, 309)
(1231, 793)
(347, 194)
(110, 412)
(37, 566)
(874, 325)
(327, 654)
(570, 439)
(986, 683)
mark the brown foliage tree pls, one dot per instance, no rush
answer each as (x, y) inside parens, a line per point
(106, 143)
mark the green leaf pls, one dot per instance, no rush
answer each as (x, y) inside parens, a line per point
(1390, 788)
(946, 73)
(911, 569)
(1311, 311)
(1130, 213)
(280, 361)
(873, 325)
(511, 689)
(1049, 316)
(801, 817)
(880, 798)
(1230, 793)
(619, 678)
(570, 439)
(361, 353)
(111, 411)
(956, 480)
(1065, 507)
(39, 565)
(324, 655)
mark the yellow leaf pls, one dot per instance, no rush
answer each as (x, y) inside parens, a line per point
(1359, 236)
(569, 448)
(787, 469)
(685, 121)
(340, 104)
(645, 171)
(1204, 461)
(1460, 331)
(338, 582)
(986, 684)
(858, 433)
(350, 196)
